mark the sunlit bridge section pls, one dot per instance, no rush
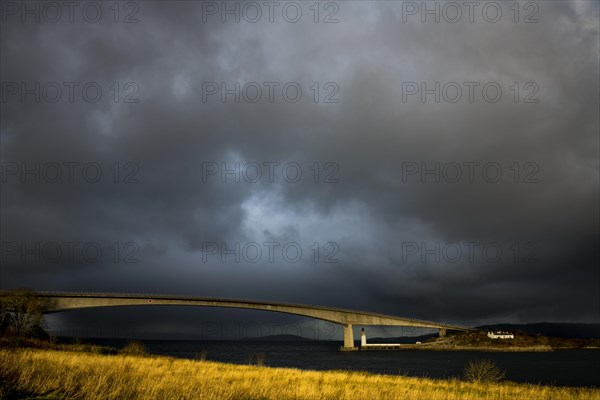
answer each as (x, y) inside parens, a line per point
(347, 318)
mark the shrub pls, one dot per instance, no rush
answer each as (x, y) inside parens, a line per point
(202, 355)
(134, 348)
(483, 371)
(260, 359)
(105, 350)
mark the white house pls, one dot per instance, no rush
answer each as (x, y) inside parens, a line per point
(501, 335)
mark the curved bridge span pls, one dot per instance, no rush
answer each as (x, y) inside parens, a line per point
(69, 301)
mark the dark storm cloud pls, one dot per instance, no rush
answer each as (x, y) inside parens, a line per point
(373, 212)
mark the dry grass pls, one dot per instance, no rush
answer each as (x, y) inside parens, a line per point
(72, 375)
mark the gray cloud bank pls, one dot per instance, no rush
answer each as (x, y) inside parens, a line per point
(404, 243)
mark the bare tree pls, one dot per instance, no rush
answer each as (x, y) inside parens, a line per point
(21, 311)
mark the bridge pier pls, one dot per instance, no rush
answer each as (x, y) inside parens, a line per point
(442, 332)
(348, 339)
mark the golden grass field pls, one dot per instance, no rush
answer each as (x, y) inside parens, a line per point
(52, 374)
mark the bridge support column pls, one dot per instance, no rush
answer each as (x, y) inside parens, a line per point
(442, 332)
(348, 338)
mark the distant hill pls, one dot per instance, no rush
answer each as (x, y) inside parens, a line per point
(277, 338)
(550, 329)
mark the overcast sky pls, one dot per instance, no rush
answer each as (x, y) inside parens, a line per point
(438, 170)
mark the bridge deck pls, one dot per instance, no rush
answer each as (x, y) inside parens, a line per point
(342, 316)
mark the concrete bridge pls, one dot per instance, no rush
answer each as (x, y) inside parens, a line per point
(347, 318)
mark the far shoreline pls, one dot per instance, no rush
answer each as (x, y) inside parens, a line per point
(515, 349)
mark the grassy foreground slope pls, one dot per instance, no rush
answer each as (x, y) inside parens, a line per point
(51, 374)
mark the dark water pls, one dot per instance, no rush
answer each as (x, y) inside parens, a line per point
(560, 368)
